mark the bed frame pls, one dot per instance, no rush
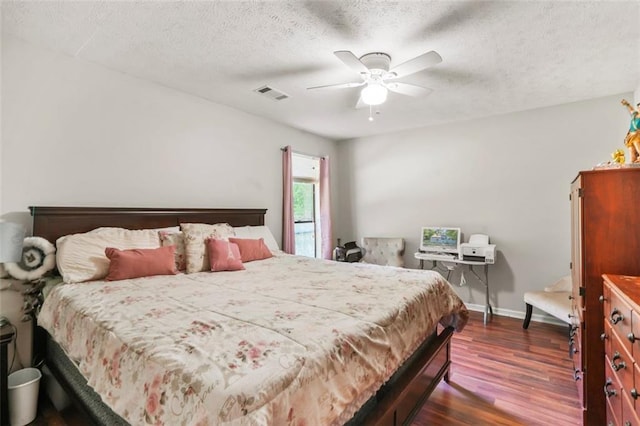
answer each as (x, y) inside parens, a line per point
(396, 403)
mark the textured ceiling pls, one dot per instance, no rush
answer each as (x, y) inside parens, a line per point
(498, 56)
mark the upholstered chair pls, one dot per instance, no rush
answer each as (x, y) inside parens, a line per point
(383, 251)
(554, 300)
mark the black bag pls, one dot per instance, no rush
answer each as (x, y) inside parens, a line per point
(350, 252)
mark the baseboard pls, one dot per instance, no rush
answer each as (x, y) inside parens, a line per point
(517, 314)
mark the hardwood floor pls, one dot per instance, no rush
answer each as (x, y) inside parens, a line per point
(500, 375)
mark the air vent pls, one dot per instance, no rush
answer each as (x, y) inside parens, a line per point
(271, 93)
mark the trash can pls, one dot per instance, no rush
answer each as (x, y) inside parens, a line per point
(23, 386)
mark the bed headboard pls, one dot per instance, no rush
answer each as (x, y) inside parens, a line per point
(54, 222)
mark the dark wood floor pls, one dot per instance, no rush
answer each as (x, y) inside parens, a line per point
(501, 375)
(504, 375)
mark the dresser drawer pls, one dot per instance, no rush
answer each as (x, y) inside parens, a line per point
(611, 418)
(629, 416)
(621, 362)
(635, 328)
(636, 389)
(612, 389)
(606, 337)
(618, 313)
(575, 352)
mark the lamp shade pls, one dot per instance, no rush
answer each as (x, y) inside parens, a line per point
(11, 238)
(374, 94)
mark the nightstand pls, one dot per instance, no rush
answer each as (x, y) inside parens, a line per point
(7, 335)
(11, 305)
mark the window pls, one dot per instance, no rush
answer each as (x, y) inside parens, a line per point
(306, 210)
(304, 218)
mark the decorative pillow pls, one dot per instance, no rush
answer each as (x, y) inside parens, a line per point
(81, 257)
(136, 263)
(255, 232)
(252, 249)
(175, 239)
(224, 255)
(38, 258)
(195, 235)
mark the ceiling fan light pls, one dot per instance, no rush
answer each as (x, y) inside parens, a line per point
(374, 94)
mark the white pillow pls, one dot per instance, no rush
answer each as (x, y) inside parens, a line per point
(80, 257)
(195, 236)
(255, 232)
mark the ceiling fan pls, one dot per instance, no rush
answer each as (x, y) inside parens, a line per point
(378, 79)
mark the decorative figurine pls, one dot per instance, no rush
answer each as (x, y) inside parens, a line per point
(618, 156)
(632, 140)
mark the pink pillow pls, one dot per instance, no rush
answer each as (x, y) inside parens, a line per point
(224, 255)
(252, 249)
(135, 263)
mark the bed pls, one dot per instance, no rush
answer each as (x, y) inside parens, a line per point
(318, 342)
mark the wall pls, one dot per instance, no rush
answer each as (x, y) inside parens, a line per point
(506, 176)
(78, 134)
(74, 133)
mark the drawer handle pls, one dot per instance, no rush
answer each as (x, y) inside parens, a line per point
(634, 393)
(576, 375)
(616, 316)
(603, 336)
(620, 365)
(608, 392)
(571, 297)
(631, 337)
(601, 299)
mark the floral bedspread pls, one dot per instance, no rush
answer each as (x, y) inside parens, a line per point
(288, 341)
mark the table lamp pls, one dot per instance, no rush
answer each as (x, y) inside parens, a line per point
(11, 238)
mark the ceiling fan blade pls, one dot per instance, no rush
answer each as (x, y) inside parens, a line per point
(409, 89)
(351, 61)
(416, 64)
(338, 86)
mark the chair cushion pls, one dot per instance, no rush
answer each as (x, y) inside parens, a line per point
(383, 251)
(554, 303)
(563, 284)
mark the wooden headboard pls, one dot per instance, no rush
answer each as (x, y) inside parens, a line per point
(54, 222)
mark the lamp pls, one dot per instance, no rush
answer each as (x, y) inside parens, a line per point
(11, 238)
(374, 94)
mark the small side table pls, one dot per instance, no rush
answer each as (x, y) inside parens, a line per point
(452, 264)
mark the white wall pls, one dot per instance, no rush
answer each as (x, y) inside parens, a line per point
(78, 134)
(506, 176)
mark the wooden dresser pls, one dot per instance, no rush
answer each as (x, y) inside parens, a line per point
(605, 232)
(621, 297)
